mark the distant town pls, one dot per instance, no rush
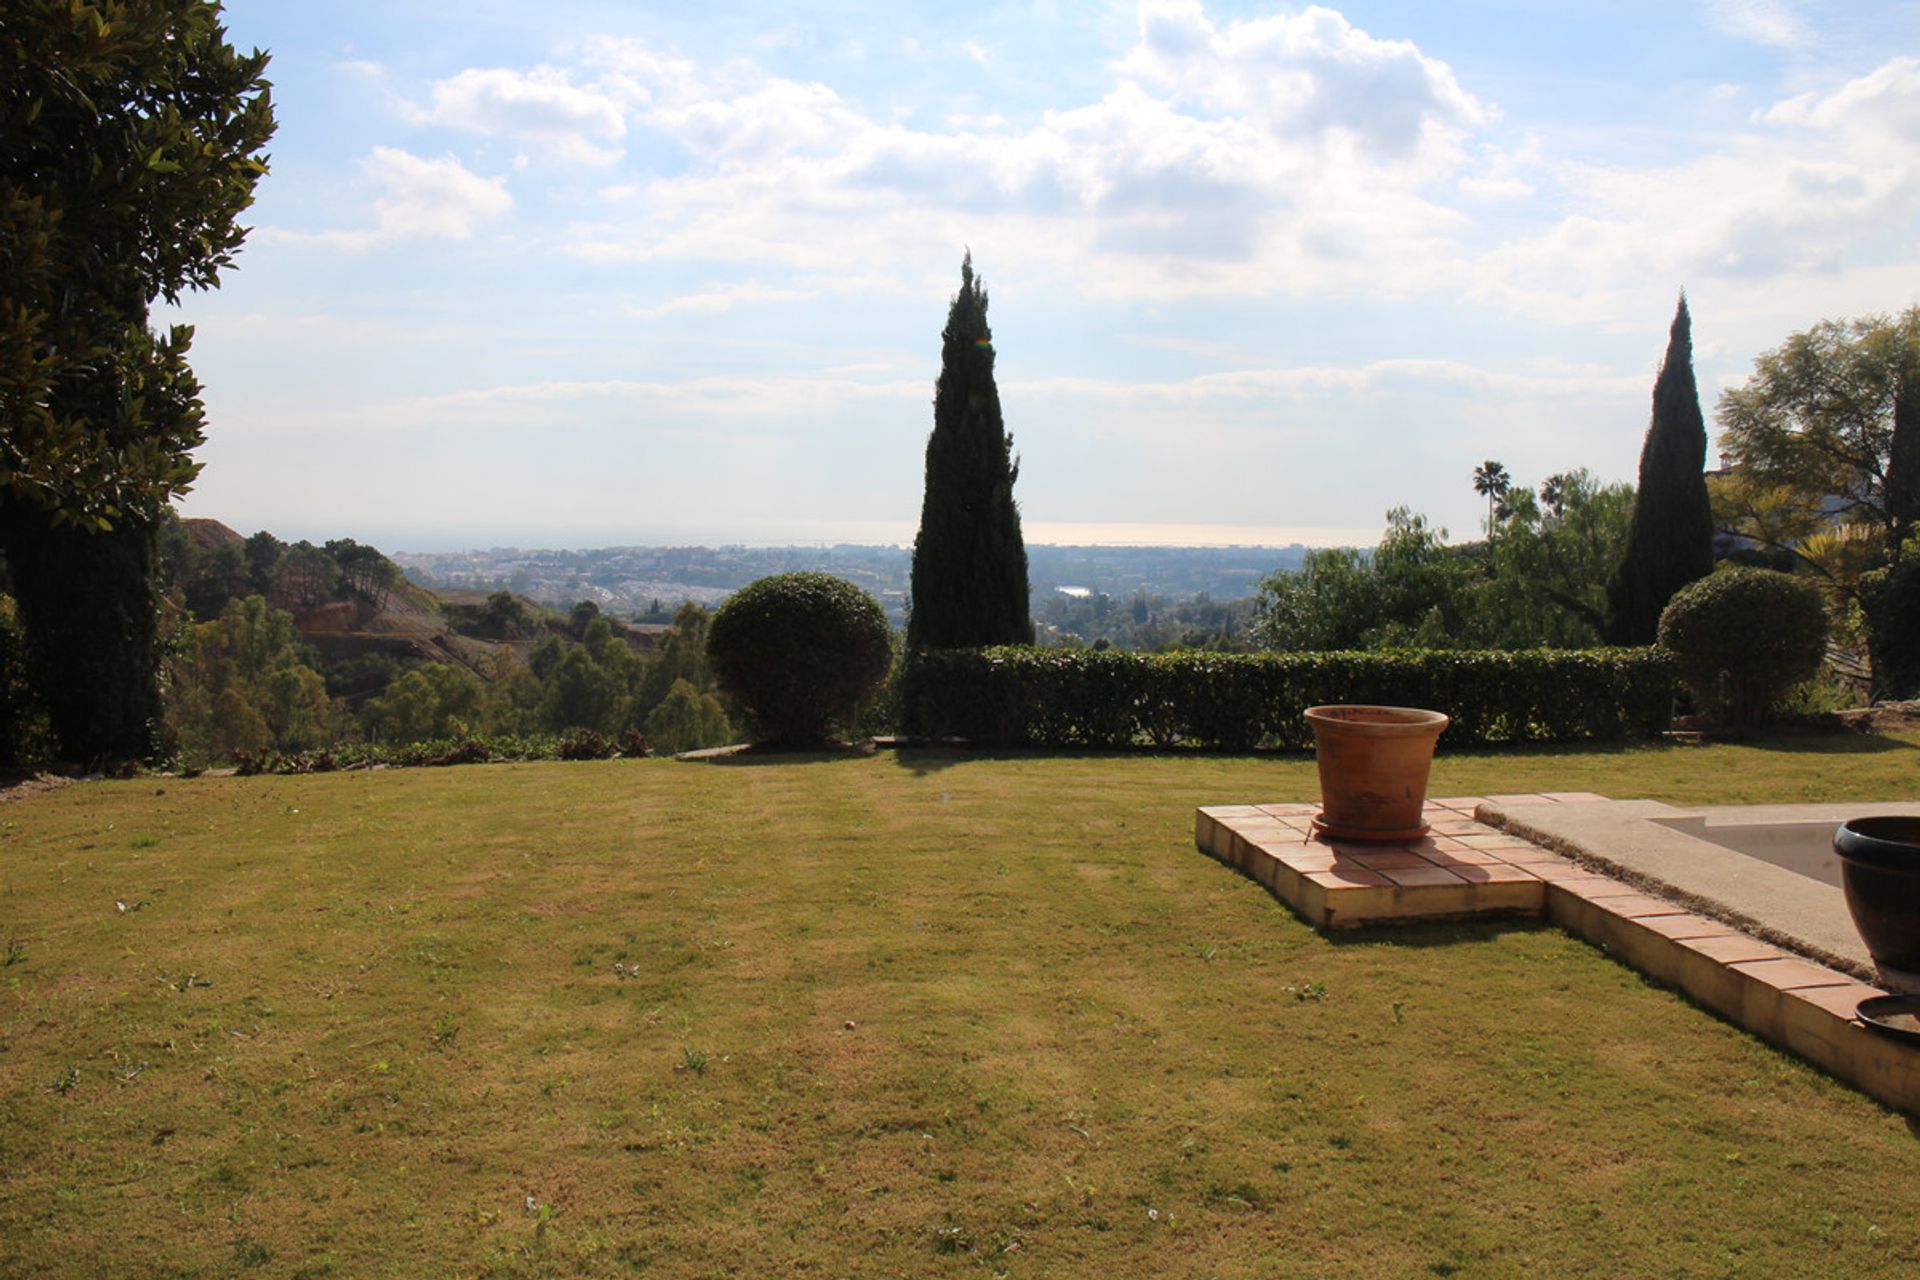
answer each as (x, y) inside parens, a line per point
(649, 583)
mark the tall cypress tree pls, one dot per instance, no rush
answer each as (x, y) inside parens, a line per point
(1670, 542)
(969, 561)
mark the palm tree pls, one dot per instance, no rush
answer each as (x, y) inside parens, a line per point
(1491, 481)
(1554, 492)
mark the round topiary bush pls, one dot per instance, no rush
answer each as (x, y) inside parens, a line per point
(800, 652)
(1742, 638)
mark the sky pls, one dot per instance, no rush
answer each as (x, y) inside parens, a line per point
(586, 273)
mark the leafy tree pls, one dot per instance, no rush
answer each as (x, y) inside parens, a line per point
(1826, 436)
(1409, 591)
(1547, 574)
(133, 134)
(582, 614)
(513, 696)
(583, 694)
(308, 576)
(506, 616)
(609, 649)
(132, 142)
(364, 570)
(205, 579)
(244, 682)
(545, 658)
(687, 720)
(1541, 583)
(680, 657)
(262, 554)
(437, 700)
(969, 560)
(1670, 542)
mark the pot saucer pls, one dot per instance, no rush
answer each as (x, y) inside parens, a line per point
(1896, 1016)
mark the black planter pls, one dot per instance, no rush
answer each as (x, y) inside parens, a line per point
(1880, 871)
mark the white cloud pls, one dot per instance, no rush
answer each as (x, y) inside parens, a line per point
(1885, 103)
(541, 105)
(1293, 155)
(419, 199)
(1309, 74)
(1825, 187)
(720, 299)
(1772, 22)
(832, 390)
(1200, 173)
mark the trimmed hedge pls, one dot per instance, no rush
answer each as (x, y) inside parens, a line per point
(1085, 698)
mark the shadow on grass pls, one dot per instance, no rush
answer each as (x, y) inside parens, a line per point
(755, 755)
(1815, 743)
(925, 760)
(1436, 933)
(1797, 741)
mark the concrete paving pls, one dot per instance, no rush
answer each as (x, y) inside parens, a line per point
(1670, 852)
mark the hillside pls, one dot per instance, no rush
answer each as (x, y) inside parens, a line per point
(402, 622)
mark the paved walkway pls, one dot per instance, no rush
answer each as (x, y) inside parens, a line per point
(1772, 890)
(1674, 911)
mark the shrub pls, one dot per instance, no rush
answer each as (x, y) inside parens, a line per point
(800, 652)
(585, 744)
(1742, 638)
(1893, 629)
(24, 737)
(1086, 698)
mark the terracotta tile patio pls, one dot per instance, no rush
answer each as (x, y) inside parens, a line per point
(1466, 868)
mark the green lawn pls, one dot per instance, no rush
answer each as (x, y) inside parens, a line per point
(892, 1016)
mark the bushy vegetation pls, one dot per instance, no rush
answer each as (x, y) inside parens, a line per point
(243, 684)
(1742, 638)
(23, 733)
(1893, 628)
(1068, 698)
(1148, 622)
(574, 744)
(1538, 580)
(801, 653)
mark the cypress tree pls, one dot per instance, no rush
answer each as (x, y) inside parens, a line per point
(969, 561)
(1670, 542)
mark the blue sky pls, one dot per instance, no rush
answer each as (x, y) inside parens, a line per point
(583, 273)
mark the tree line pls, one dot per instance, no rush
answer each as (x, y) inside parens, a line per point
(240, 679)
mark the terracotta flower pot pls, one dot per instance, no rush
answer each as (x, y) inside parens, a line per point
(1880, 873)
(1374, 763)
